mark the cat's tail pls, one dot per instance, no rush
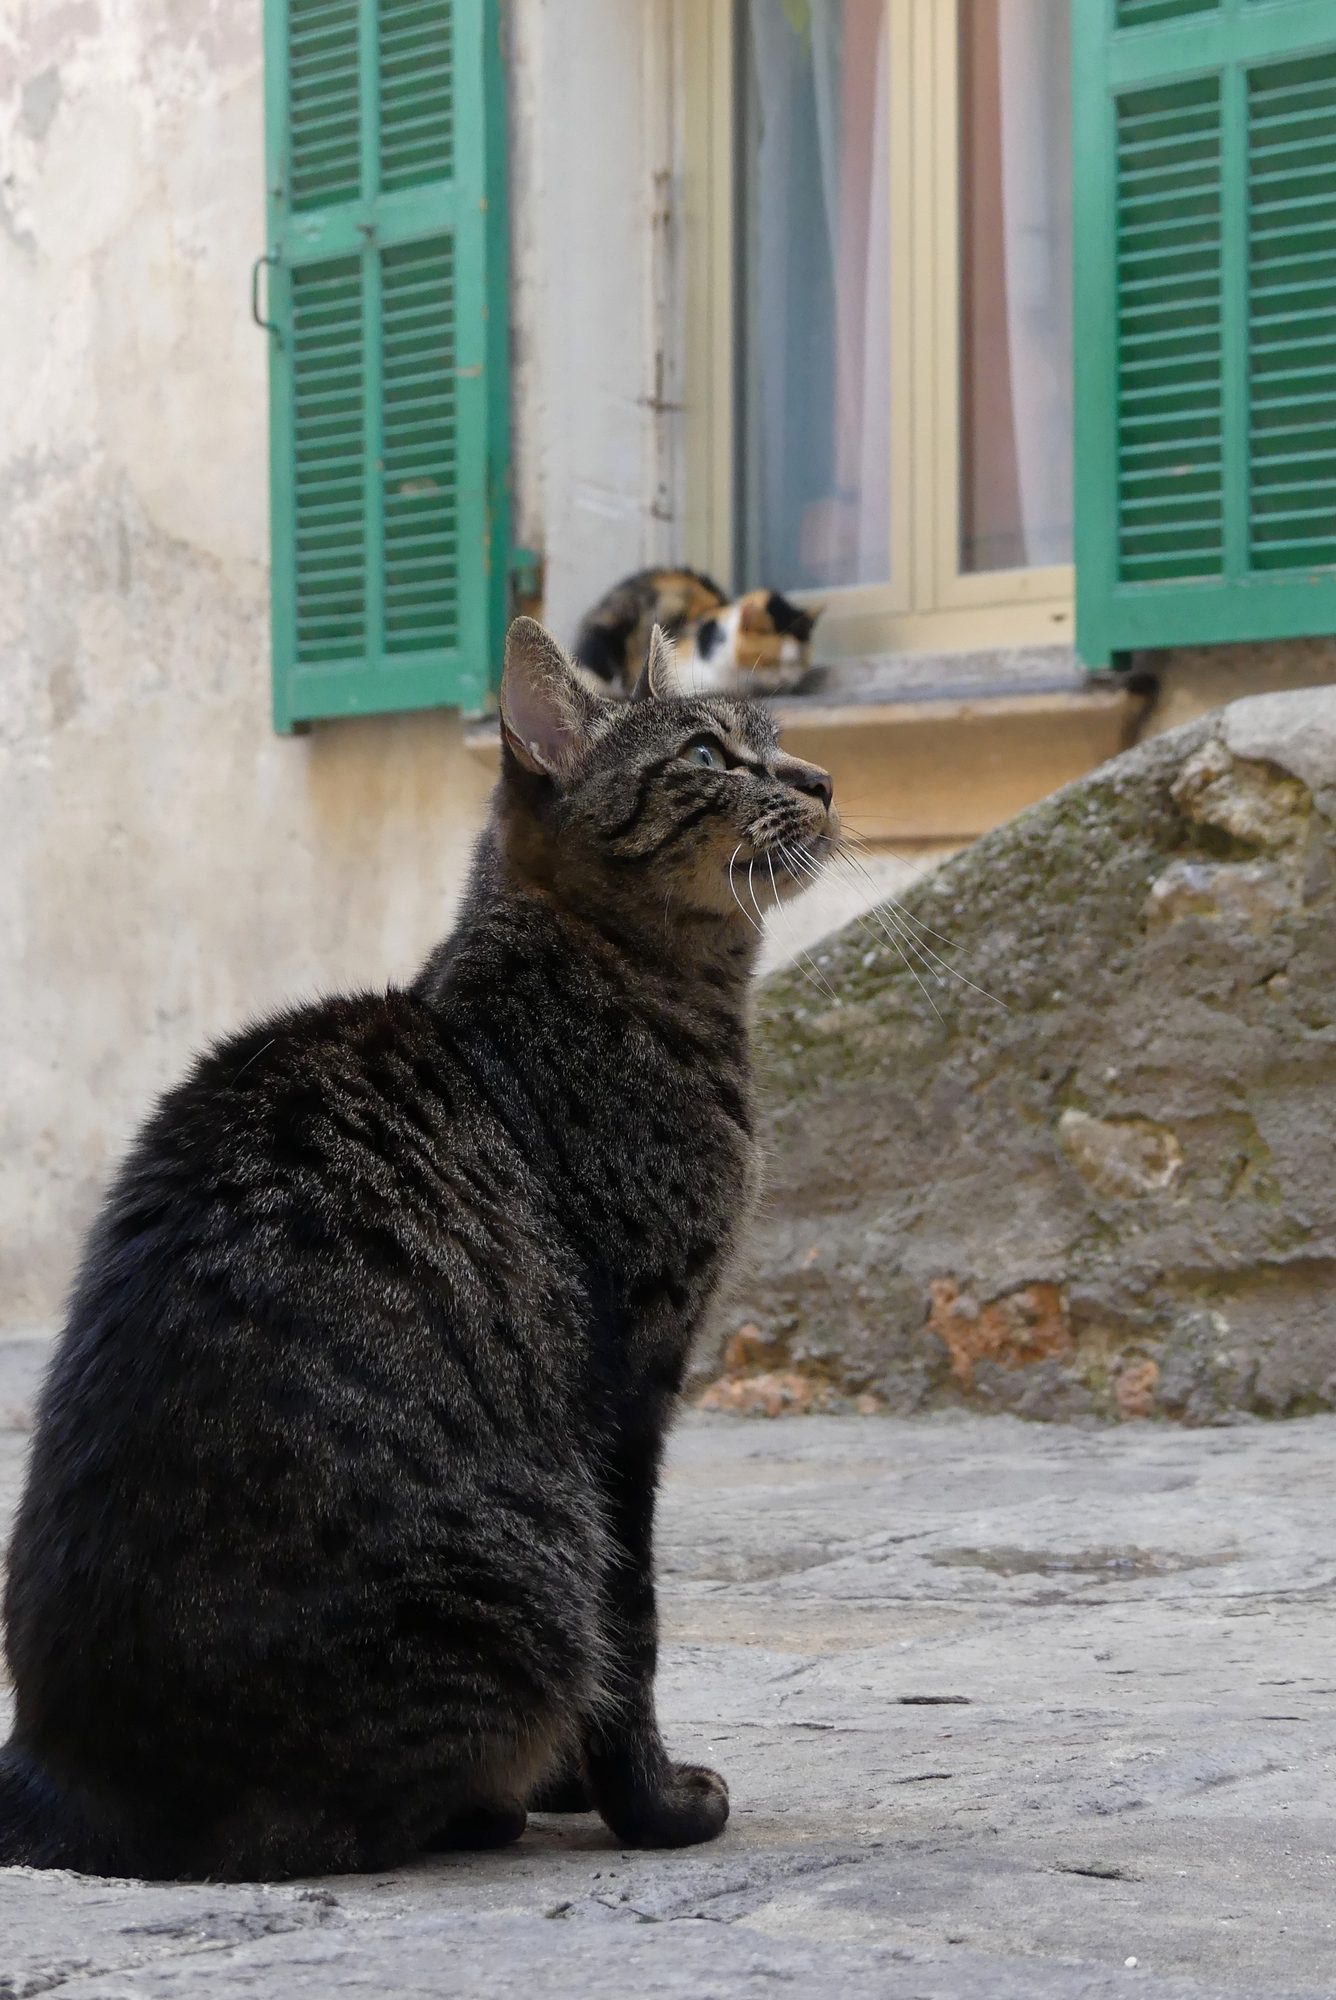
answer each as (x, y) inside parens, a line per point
(42, 1825)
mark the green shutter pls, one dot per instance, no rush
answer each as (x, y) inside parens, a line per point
(388, 393)
(1205, 321)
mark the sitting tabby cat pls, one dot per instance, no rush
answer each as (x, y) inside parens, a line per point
(761, 644)
(336, 1541)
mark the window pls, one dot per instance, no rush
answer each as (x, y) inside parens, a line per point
(881, 411)
(388, 399)
(1205, 322)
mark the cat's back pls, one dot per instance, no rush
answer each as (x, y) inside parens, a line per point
(334, 1135)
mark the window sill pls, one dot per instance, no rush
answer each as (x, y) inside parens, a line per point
(941, 767)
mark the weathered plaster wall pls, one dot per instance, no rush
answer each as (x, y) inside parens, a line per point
(170, 866)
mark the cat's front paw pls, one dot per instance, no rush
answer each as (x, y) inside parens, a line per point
(690, 1807)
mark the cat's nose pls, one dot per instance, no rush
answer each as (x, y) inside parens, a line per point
(805, 777)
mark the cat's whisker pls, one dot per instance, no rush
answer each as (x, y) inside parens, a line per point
(855, 861)
(806, 964)
(868, 841)
(893, 928)
(888, 917)
(774, 886)
(857, 854)
(759, 927)
(885, 920)
(254, 1057)
(911, 928)
(733, 887)
(947, 970)
(885, 936)
(857, 843)
(866, 921)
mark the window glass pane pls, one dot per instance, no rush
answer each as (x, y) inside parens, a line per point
(1015, 283)
(813, 353)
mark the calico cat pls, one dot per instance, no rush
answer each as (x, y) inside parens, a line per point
(336, 1539)
(760, 644)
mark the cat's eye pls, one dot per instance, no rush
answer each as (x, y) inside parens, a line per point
(703, 750)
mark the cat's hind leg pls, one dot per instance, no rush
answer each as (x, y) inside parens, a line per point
(492, 1811)
(482, 1824)
(564, 1790)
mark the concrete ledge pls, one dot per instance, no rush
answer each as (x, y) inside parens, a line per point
(942, 768)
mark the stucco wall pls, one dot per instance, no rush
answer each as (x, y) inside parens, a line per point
(170, 866)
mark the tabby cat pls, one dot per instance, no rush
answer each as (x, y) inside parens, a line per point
(336, 1540)
(760, 644)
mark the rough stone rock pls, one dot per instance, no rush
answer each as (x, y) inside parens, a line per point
(1256, 893)
(1127, 1119)
(1250, 801)
(1013, 1331)
(1121, 1156)
(1295, 732)
(745, 1393)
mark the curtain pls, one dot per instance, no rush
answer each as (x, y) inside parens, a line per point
(1034, 67)
(815, 440)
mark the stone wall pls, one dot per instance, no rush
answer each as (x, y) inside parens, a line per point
(1110, 1189)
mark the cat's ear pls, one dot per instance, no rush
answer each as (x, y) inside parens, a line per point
(547, 714)
(658, 676)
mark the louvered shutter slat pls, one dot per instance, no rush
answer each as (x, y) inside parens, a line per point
(417, 129)
(421, 546)
(324, 157)
(329, 389)
(1291, 324)
(1149, 13)
(1171, 520)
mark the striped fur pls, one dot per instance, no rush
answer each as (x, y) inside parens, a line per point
(336, 1539)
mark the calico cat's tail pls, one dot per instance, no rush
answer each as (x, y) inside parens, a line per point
(44, 1826)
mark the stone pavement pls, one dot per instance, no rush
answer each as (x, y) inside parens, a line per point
(1009, 1712)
